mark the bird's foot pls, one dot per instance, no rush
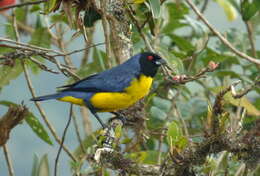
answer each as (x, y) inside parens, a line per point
(118, 116)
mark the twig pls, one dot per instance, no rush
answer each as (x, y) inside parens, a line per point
(79, 50)
(30, 46)
(183, 79)
(61, 45)
(42, 66)
(88, 36)
(8, 160)
(22, 4)
(77, 132)
(103, 4)
(51, 128)
(21, 26)
(147, 43)
(241, 94)
(31, 51)
(62, 141)
(86, 120)
(204, 6)
(251, 38)
(221, 37)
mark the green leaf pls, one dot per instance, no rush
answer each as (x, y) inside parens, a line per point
(97, 65)
(35, 166)
(21, 14)
(176, 13)
(88, 141)
(118, 131)
(155, 122)
(35, 8)
(151, 23)
(41, 37)
(224, 73)
(139, 1)
(241, 102)
(200, 30)
(9, 73)
(162, 104)
(9, 31)
(209, 115)
(100, 56)
(145, 157)
(50, 5)
(156, 112)
(174, 133)
(44, 168)
(182, 43)
(173, 61)
(155, 8)
(175, 137)
(8, 103)
(38, 128)
(249, 9)
(211, 55)
(90, 17)
(57, 18)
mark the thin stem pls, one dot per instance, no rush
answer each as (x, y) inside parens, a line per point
(8, 160)
(79, 50)
(147, 43)
(77, 132)
(61, 45)
(221, 37)
(29, 46)
(86, 120)
(106, 32)
(204, 6)
(251, 37)
(62, 141)
(51, 128)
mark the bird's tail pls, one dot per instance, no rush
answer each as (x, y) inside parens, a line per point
(47, 97)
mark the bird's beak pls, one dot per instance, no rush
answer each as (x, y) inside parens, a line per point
(160, 62)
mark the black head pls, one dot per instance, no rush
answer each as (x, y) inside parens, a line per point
(150, 63)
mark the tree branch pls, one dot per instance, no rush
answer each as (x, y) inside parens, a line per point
(222, 38)
(62, 141)
(13, 117)
(8, 160)
(45, 119)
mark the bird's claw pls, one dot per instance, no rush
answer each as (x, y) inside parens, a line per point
(118, 116)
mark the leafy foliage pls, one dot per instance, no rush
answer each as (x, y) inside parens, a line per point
(177, 116)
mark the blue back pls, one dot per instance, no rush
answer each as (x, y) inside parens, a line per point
(115, 79)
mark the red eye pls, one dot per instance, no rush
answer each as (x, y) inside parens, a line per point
(149, 58)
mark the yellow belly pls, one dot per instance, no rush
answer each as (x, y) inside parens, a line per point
(108, 102)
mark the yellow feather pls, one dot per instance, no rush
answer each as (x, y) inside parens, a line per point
(108, 102)
(112, 101)
(73, 100)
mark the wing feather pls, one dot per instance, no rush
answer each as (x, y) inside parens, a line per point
(113, 80)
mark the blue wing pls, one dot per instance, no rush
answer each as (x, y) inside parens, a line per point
(112, 80)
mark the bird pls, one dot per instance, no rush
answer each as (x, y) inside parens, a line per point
(113, 89)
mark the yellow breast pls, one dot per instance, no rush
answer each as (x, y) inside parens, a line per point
(108, 102)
